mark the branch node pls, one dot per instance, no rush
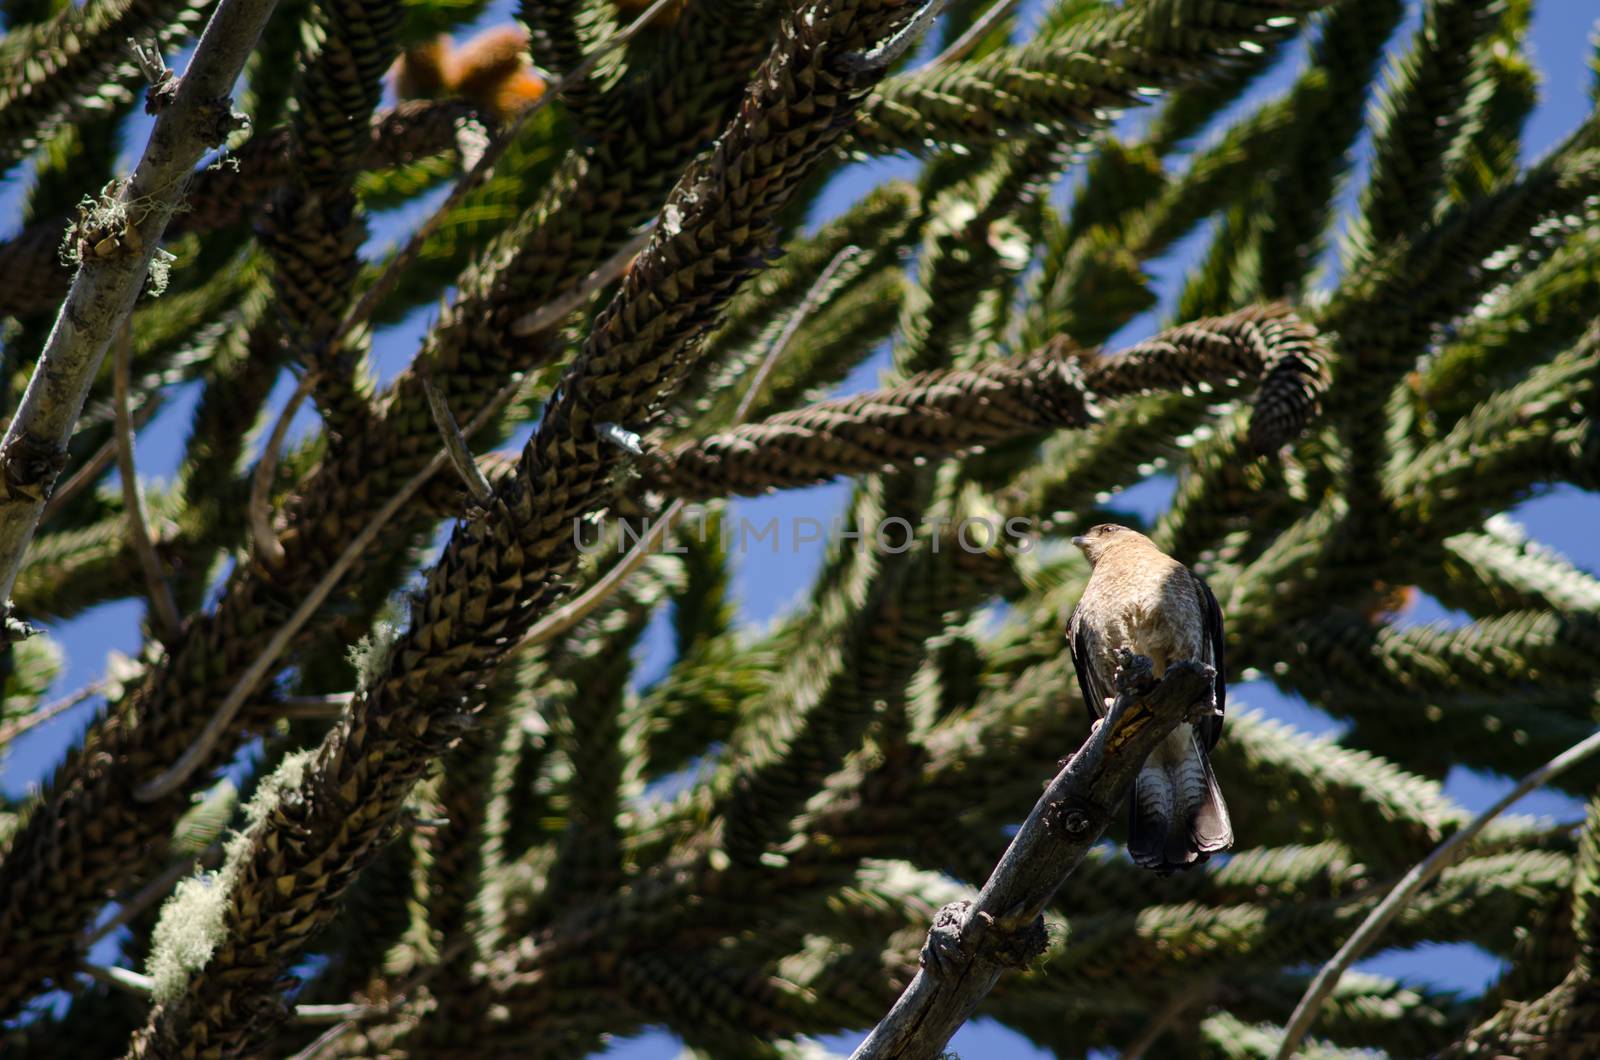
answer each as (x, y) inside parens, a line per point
(30, 467)
(1073, 818)
(217, 120)
(14, 630)
(942, 953)
(949, 950)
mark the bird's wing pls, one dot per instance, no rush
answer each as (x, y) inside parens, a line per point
(1078, 643)
(1211, 615)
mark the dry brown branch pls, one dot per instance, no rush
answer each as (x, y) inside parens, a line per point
(45, 713)
(455, 445)
(259, 512)
(167, 620)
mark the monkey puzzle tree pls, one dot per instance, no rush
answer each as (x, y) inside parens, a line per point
(455, 819)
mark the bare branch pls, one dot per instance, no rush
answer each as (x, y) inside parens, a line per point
(122, 978)
(1305, 1013)
(1163, 1020)
(976, 32)
(116, 241)
(259, 514)
(45, 713)
(313, 707)
(168, 621)
(607, 271)
(96, 465)
(455, 445)
(971, 943)
(819, 290)
(151, 893)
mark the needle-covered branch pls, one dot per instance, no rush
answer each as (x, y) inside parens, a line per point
(970, 945)
(940, 413)
(322, 820)
(117, 239)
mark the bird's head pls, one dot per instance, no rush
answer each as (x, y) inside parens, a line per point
(1096, 540)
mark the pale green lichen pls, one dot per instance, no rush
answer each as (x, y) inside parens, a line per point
(194, 919)
(370, 654)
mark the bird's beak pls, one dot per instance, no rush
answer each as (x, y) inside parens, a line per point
(1080, 541)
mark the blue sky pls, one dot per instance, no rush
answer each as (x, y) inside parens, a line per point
(767, 587)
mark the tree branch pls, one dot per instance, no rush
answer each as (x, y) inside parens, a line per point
(116, 240)
(970, 944)
(1305, 1013)
(167, 619)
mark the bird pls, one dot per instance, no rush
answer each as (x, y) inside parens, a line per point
(1141, 599)
(491, 71)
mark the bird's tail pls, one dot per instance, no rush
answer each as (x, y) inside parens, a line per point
(1177, 816)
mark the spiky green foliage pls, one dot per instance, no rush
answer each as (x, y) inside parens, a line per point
(658, 814)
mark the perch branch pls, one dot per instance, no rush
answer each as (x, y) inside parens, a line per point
(971, 943)
(1305, 1013)
(139, 537)
(116, 242)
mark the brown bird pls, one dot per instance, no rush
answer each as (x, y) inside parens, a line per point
(1142, 599)
(491, 71)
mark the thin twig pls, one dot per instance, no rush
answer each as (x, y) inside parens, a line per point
(1305, 1013)
(43, 714)
(820, 289)
(456, 445)
(91, 469)
(259, 513)
(1176, 1005)
(607, 271)
(582, 606)
(117, 240)
(137, 983)
(151, 893)
(121, 978)
(196, 753)
(972, 943)
(168, 621)
(475, 177)
(315, 708)
(975, 33)
(360, 1012)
